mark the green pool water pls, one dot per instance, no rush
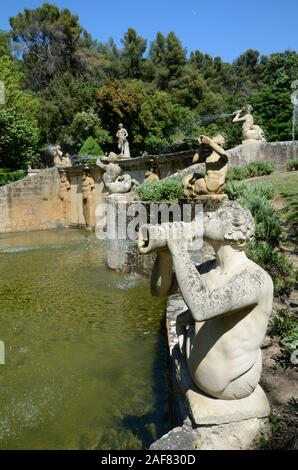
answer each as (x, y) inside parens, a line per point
(85, 347)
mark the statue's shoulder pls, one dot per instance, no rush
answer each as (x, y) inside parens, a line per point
(257, 275)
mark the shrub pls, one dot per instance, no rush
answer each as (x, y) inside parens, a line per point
(292, 165)
(252, 170)
(237, 189)
(91, 147)
(7, 177)
(268, 224)
(166, 190)
(276, 264)
(256, 198)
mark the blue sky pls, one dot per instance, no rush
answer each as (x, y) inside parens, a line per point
(219, 27)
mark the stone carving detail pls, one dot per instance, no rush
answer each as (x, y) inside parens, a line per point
(114, 181)
(229, 300)
(88, 186)
(123, 144)
(250, 131)
(153, 173)
(59, 159)
(216, 159)
(65, 196)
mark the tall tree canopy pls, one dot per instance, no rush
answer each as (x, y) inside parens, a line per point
(64, 86)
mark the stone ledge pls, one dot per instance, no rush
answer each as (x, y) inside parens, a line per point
(243, 435)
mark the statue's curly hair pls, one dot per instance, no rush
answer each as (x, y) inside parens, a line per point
(242, 226)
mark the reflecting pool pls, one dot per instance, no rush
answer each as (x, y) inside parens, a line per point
(85, 349)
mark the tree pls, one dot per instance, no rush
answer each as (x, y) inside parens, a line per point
(18, 139)
(49, 39)
(60, 102)
(86, 124)
(19, 132)
(91, 147)
(5, 46)
(169, 58)
(132, 54)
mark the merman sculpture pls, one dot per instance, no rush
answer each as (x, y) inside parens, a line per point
(229, 301)
(114, 181)
(216, 159)
(250, 131)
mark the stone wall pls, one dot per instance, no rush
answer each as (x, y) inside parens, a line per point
(32, 203)
(278, 152)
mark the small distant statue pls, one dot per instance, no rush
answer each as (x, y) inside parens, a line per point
(153, 174)
(65, 196)
(216, 159)
(66, 160)
(228, 301)
(88, 187)
(123, 144)
(58, 154)
(114, 181)
(250, 131)
(59, 159)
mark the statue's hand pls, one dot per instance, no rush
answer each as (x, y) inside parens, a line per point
(205, 140)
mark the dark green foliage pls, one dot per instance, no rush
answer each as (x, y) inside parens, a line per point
(292, 165)
(264, 250)
(91, 147)
(49, 39)
(18, 139)
(166, 190)
(238, 189)
(268, 224)
(7, 176)
(252, 170)
(85, 87)
(276, 264)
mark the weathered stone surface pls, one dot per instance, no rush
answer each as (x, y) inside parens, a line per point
(32, 203)
(243, 435)
(278, 152)
(208, 411)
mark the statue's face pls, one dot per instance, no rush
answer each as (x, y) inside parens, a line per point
(215, 227)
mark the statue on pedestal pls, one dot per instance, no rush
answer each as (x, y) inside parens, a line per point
(114, 181)
(65, 197)
(88, 186)
(59, 158)
(250, 131)
(123, 144)
(229, 302)
(216, 159)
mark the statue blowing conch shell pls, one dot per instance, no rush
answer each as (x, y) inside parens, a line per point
(229, 300)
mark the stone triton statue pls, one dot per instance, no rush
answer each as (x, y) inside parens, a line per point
(216, 159)
(250, 131)
(229, 300)
(88, 187)
(114, 181)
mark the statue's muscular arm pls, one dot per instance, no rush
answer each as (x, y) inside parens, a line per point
(240, 293)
